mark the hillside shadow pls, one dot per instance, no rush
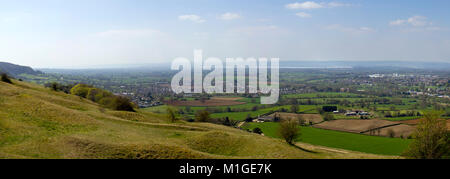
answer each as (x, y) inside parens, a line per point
(303, 149)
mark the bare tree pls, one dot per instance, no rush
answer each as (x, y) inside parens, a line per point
(391, 133)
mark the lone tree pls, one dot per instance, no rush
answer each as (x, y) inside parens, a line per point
(171, 114)
(431, 139)
(289, 130)
(202, 116)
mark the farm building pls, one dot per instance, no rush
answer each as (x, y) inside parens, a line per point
(356, 113)
(263, 119)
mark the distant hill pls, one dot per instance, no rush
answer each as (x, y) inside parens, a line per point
(15, 70)
(367, 64)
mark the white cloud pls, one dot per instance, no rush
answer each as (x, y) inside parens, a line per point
(303, 15)
(255, 30)
(366, 29)
(191, 17)
(415, 24)
(230, 16)
(353, 30)
(304, 5)
(315, 5)
(416, 21)
(337, 4)
(397, 22)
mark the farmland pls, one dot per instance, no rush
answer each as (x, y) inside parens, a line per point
(373, 127)
(391, 104)
(343, 140)
(215, 101)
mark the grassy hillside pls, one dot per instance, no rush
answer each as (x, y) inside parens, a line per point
(36, 122)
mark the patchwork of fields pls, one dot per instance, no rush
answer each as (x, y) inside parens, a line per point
(347, 132)
(342, 140)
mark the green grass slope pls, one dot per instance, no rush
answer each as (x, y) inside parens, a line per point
(36, 122)
(342, 140)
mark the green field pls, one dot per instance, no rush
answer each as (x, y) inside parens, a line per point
(321, 95)
(343, 140)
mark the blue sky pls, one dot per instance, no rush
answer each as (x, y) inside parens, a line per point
(85, 33)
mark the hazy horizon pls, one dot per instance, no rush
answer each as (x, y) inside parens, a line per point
(92, 34)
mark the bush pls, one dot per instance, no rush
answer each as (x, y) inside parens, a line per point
(171, 114)
(248, 118)
(202, 116)
(121, 103)
(103, 97)
(6, 79)
(81, 90)
(257, 130)
(227, 122)
(92, 93)
(59, 87)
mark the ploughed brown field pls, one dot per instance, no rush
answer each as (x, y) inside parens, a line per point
(415, 122)
(314, 118)
(369, 127)
(215, 101)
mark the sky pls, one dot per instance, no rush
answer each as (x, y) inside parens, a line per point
(96, 33)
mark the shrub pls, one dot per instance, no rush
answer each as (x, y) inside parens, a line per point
(257, 130)
(81, 90)
(171, 114)
(55, 86)
(6, 79)
(103, 97)
(202, 116)
(121, 103)
(92, 93)
(248, 118)
(227, 122)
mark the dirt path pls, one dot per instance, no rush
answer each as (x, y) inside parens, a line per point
(240, 124)
(333, 153)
